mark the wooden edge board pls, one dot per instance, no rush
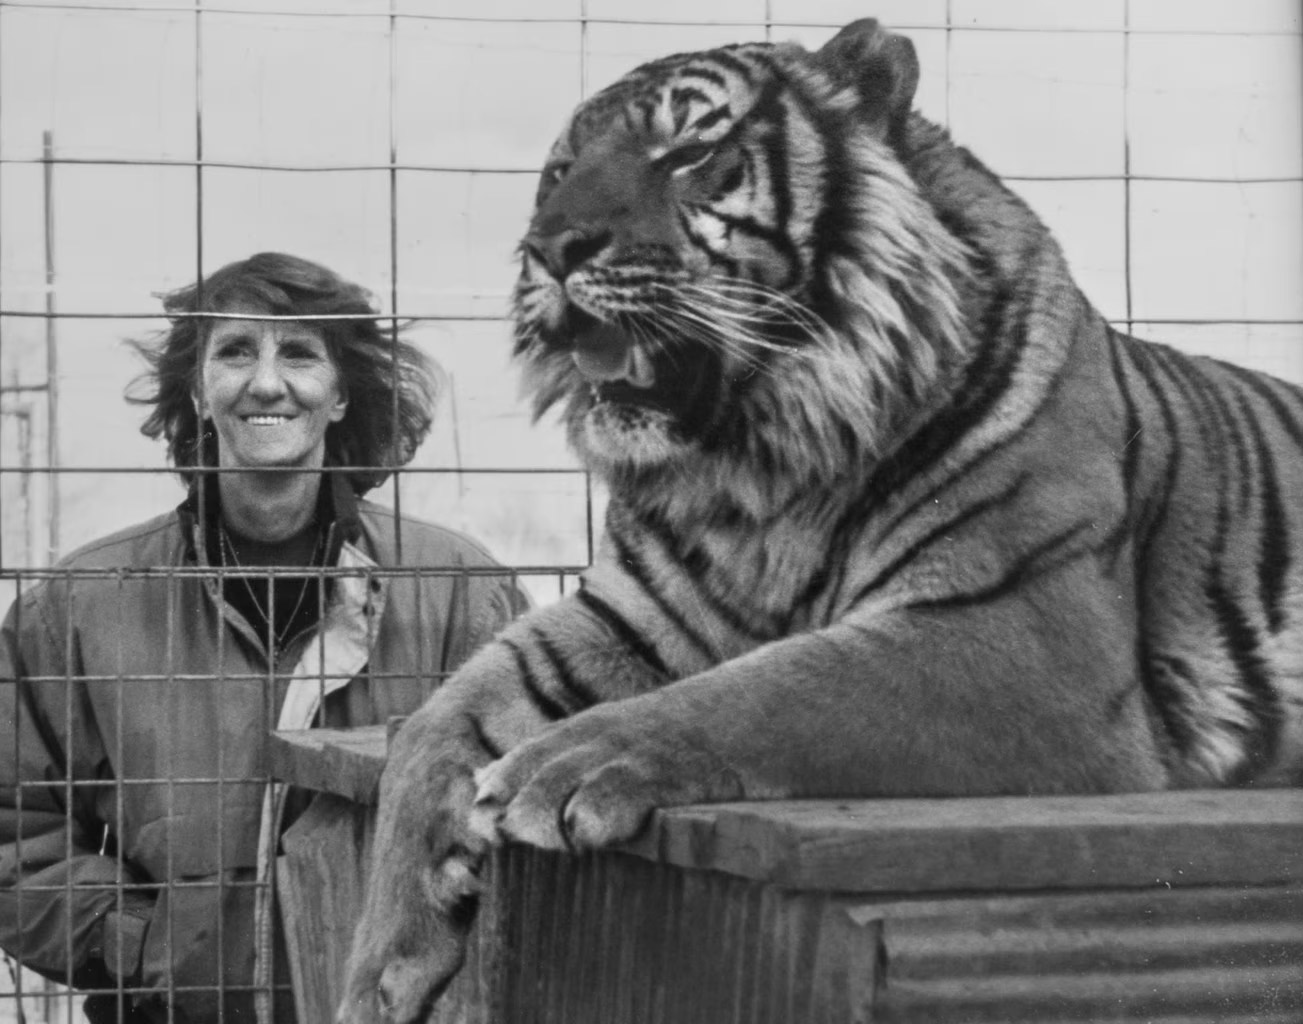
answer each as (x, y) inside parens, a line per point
(346, 762)
(1183, 838)
(1194, 837)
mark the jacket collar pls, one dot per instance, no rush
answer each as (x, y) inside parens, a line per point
(337, 507)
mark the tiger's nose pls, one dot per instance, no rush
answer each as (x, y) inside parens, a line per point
(564, 251)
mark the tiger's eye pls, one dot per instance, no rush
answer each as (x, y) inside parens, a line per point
(684, 158)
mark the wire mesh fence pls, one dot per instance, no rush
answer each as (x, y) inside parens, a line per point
(143, 145)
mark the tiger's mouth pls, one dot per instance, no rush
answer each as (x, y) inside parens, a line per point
(629, 369)
(615, 364)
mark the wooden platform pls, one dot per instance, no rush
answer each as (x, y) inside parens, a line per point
(1156, 907)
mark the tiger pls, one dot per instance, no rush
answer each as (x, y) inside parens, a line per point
(892, 509)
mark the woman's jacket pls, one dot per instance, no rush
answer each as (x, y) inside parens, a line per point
(135, 705)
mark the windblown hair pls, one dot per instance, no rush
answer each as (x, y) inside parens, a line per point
(389, 383)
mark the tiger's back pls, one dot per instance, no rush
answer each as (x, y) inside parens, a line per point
(1184, 473)
(1181, 479)
(1213, 472)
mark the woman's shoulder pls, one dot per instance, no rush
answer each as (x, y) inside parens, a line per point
(154, 542)
(424, 542)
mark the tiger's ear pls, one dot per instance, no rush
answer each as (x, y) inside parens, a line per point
(880, 65)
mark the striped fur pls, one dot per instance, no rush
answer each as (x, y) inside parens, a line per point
(892, 509)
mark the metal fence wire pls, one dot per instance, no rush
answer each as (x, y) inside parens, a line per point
(145, 144)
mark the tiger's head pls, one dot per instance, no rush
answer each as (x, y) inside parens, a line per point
(728, 263)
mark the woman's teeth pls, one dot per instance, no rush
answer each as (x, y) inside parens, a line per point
(266, 421)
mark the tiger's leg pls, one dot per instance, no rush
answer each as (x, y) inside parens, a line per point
(1036, 692)
(424, 879)
(425, 872)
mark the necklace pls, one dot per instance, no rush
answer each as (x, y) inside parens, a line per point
(276, 638)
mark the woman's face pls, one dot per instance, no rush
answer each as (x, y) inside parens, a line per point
(271, 389)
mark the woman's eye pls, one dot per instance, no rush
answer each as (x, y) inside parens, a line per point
(684, 158)
(231, 350)
(300, 351)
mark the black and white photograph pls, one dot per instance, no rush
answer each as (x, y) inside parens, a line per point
(627, 512)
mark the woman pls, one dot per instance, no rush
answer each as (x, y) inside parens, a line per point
(139, 681)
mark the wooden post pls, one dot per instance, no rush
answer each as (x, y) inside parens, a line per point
(1182, 905)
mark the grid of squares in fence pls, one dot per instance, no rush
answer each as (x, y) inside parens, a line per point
(144, 144)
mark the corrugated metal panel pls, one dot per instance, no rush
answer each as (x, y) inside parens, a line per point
(616, 940)
(1209, 955)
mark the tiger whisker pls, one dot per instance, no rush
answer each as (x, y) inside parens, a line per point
(773, 315)
(734, 332)
(756, 295)
(760, 304)
(710, 331)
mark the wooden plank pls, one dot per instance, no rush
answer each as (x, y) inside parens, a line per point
(345, 762)
(320, 880)
(1195, 837)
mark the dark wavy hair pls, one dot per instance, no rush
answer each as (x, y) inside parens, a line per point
(389, 383)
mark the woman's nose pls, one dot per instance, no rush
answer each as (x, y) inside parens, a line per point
(267, 382)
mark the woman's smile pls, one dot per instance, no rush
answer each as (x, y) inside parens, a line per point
(266, 421)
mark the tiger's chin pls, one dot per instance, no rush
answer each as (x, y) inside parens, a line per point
(614, 436)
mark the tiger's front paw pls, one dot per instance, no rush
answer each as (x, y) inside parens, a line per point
(592, 781)
(560, 797)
